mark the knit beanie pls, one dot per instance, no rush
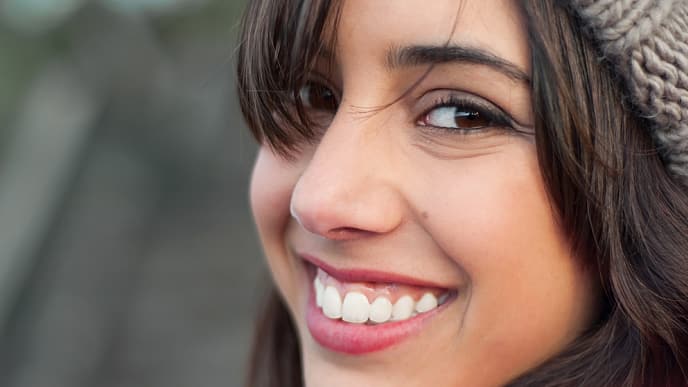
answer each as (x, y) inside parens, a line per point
(646, 41)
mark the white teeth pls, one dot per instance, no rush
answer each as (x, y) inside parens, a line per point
(319, 290)
(426, 303)
(355, 308)
(380, 310)
(403, 308)
(332, 303)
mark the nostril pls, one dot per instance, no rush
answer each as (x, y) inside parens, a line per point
(345, 233)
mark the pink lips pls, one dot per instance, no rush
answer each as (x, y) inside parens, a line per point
(356, 339)
(365, 275)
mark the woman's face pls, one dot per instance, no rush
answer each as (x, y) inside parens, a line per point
(439, 258)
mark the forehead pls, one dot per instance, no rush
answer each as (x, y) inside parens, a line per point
(369, 28)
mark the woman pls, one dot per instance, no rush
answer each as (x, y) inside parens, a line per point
(470, 193)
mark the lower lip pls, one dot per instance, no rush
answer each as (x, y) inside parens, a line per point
(357, 339)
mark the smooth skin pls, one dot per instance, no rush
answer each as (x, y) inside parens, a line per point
(418, 189)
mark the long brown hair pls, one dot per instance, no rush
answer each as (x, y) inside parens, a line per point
(623, 212)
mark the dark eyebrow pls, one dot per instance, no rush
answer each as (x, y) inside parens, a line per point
(419, 55)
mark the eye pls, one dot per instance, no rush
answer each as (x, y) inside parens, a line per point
(458, 114)
(455, 117)
(317, 96)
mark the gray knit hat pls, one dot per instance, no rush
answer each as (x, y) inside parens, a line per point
(647, 42)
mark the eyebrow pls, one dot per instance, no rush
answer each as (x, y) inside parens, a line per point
(420, 55)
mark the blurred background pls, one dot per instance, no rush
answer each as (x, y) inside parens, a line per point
(127, 252)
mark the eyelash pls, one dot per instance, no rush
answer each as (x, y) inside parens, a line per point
(495, 117)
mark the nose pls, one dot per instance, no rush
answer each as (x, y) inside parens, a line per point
(348, 189)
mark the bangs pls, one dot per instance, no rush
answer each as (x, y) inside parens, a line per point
(280, 44)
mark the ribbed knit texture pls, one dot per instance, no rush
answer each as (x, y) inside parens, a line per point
(647, 42)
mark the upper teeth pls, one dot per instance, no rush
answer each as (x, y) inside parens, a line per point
(380, 310)
(355, 307)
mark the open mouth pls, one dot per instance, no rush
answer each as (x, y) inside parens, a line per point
(373, 302)
(360, 311)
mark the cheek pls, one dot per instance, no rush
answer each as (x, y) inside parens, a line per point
(270, 193)
(272, 182)
(529, 294)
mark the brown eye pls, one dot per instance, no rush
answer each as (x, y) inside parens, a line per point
(455, 117)
(318, 97)
(470, 119)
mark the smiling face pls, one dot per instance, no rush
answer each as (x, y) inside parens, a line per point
(436, 198)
